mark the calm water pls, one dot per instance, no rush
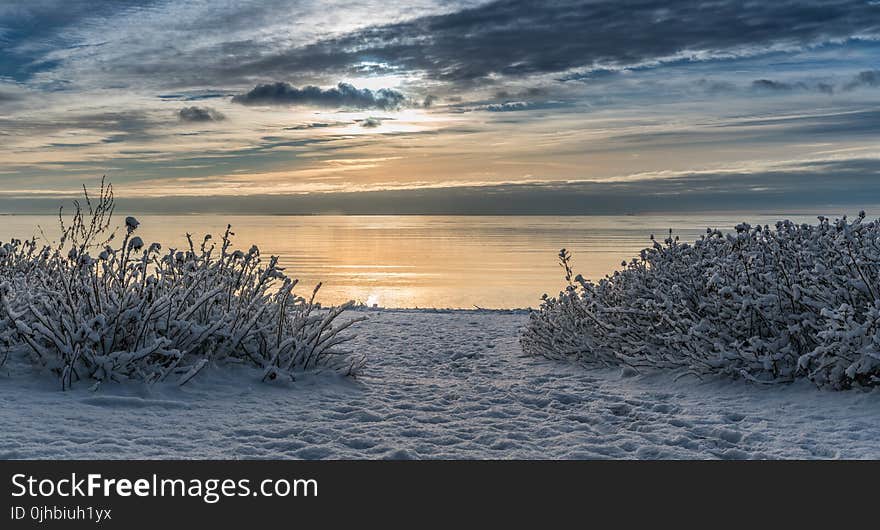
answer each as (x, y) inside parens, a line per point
(428, 261)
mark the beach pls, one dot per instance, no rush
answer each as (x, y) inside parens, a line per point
(438, 385)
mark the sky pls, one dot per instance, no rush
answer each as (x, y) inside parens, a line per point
(425, 106)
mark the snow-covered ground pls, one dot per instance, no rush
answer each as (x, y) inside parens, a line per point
(438, 385)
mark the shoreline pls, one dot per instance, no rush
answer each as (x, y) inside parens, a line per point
(503, 311)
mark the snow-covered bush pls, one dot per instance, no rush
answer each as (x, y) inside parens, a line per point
(89, 309)
(766, 304)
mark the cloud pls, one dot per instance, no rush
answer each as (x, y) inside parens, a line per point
(868, 78)
(342, 95)
(315, 125)
(825, 88)
(508, 106)
(769, 85)
(514, 38)
(715, 87)
(814, 126)
(6, 97)
(13, 92)
(864, 79)
(199, 114)
(775, 86)
(465, 47)
(192, 97)
(512, 106)
(816, 186)
(30, 29)
(481, 59)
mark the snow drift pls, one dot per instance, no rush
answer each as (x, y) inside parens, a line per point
(89, 309)
(766, 304)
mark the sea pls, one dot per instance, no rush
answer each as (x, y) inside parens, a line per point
(413, 261)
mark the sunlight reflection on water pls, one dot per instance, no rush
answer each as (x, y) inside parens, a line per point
(428, 261)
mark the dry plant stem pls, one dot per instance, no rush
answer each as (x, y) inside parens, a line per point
(86, 309)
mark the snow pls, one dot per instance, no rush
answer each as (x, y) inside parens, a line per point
(766, 304)
(145, 316)
(438, 384)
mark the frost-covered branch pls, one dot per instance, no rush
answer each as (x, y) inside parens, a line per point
(90, 310)
(765, 304)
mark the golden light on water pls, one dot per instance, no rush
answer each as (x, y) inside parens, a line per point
(422, 261)
(373, 299)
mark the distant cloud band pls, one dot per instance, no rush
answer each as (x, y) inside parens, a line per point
(340, 96)
(199, 114)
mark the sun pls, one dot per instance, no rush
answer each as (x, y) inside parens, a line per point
(373, 300)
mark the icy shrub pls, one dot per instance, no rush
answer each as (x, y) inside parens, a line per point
(765, 304)
(89, 309)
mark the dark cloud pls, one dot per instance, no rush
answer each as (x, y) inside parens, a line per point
(41, 23)
(6, 97)
(593, 74)
(508, 106)
(429, 101)
(341, 96)
(315, 125)
(868, 78)
(522, 37)
(192, 97)
(60, 145)
(864, 79)
(825, 88)
(769, 85)
(716, 87)
(199, 114)
(369, 69)
(115, 127)
(776, 86)
(479, 46)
